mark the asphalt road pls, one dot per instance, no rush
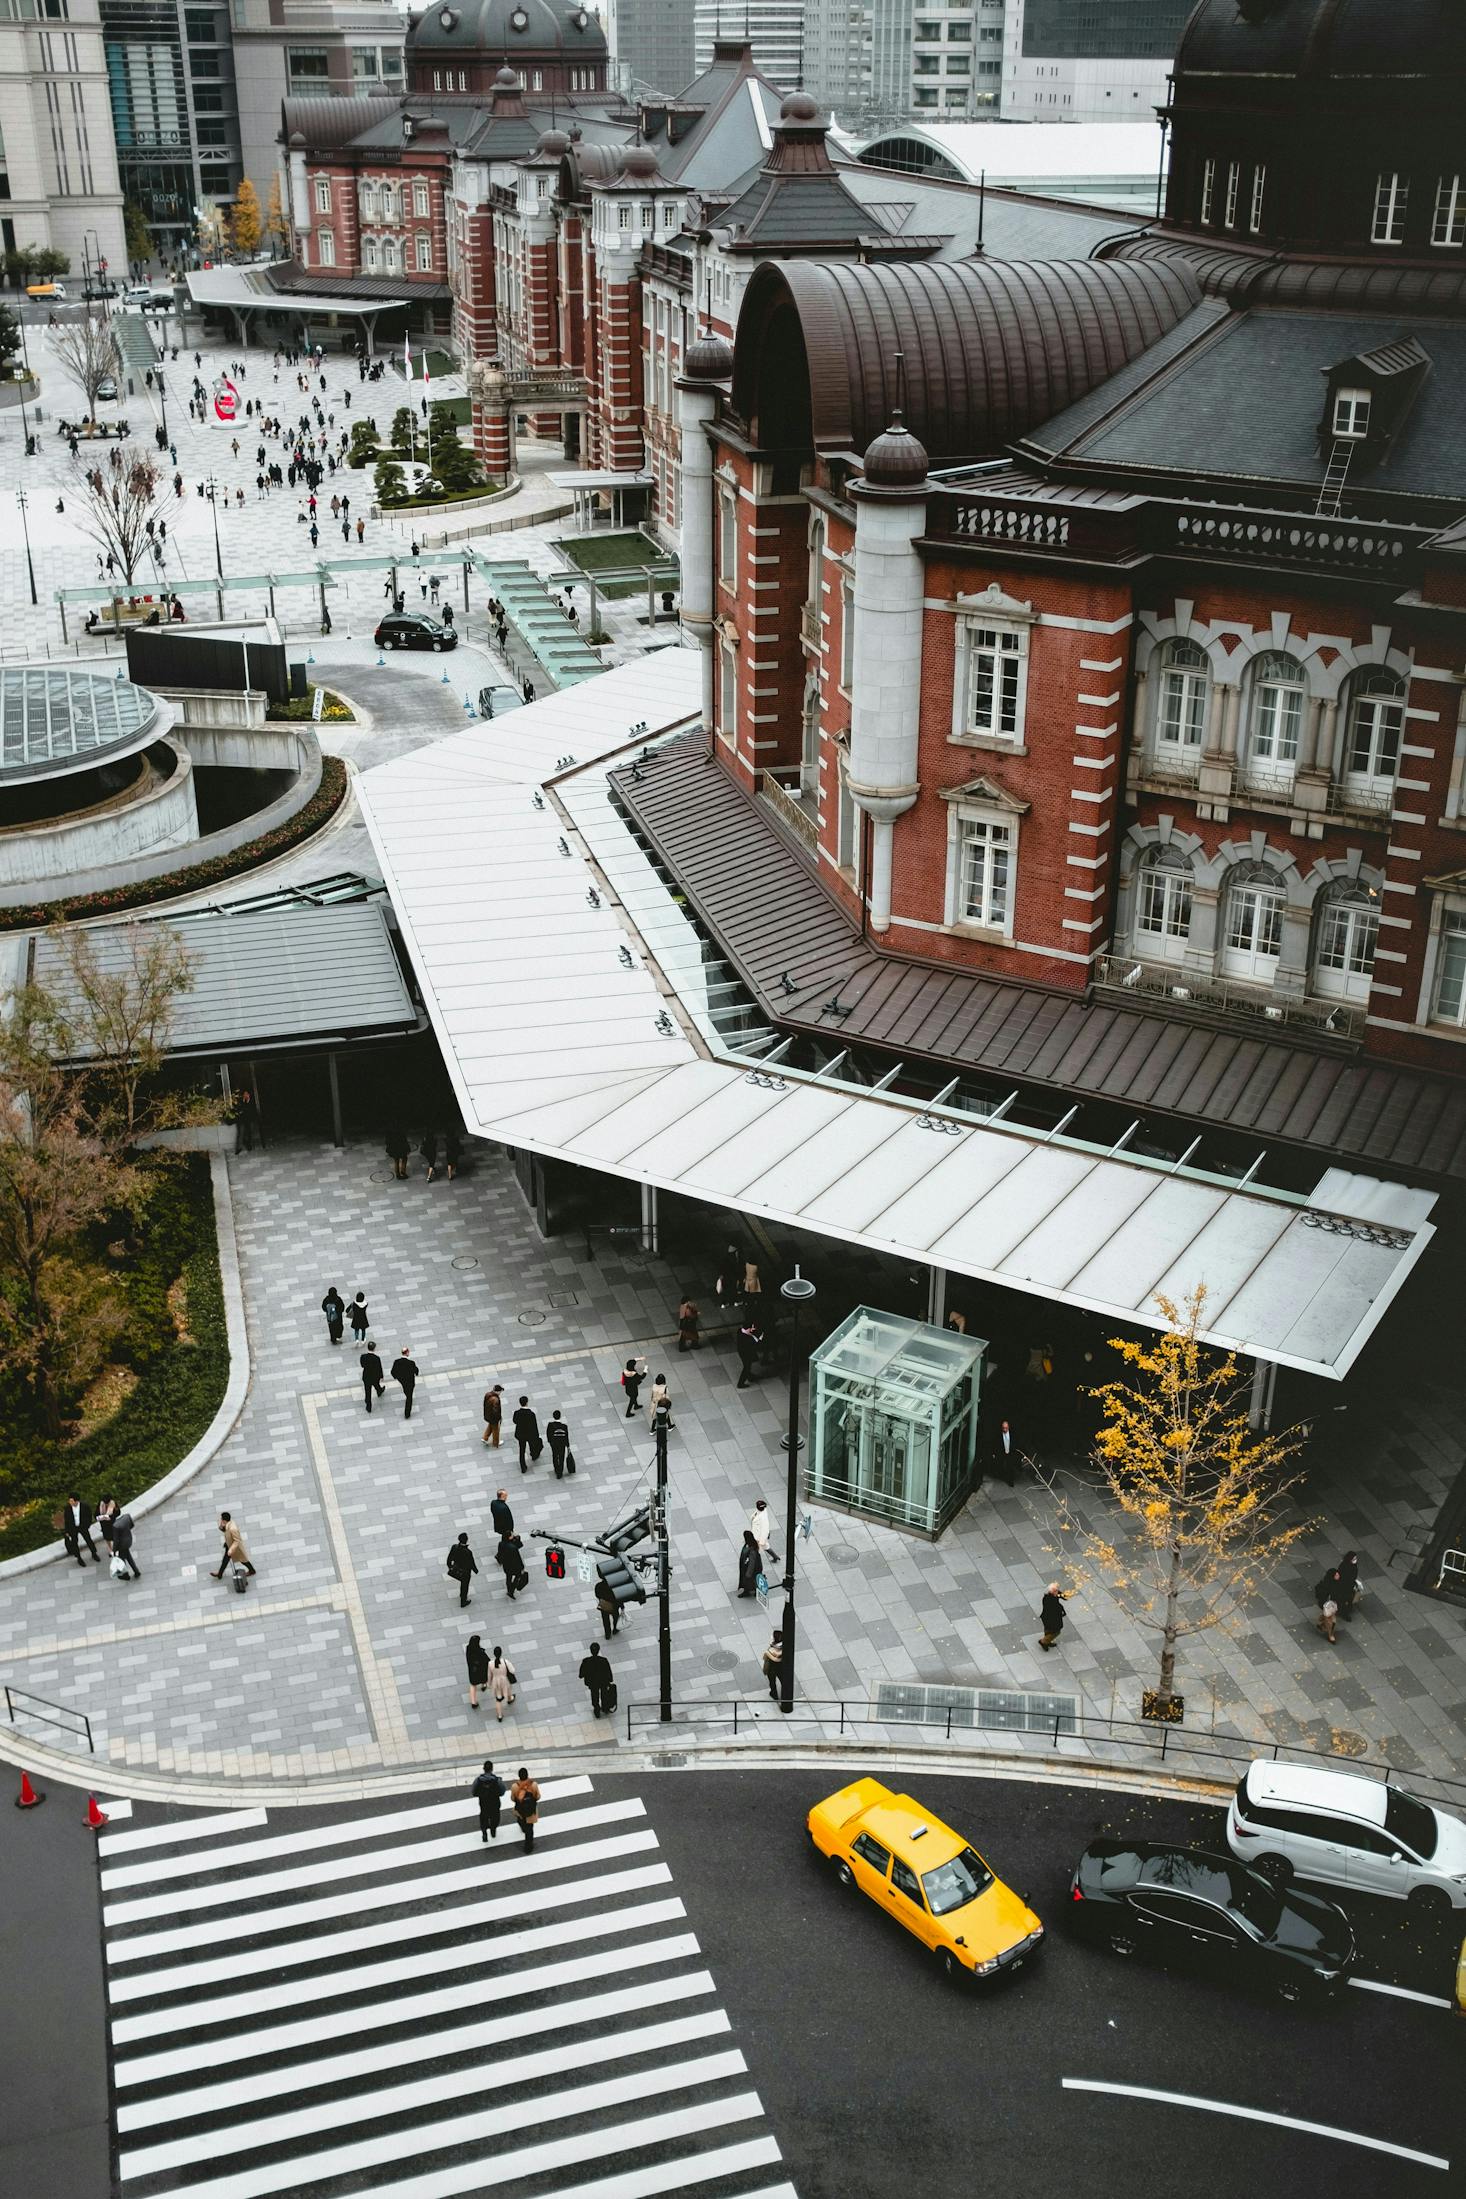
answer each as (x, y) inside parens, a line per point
(879, 2079)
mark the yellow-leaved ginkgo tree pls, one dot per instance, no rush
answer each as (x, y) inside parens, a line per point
(1198, 1490)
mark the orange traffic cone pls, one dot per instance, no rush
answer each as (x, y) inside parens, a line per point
(28, 1799)
(96, 1818)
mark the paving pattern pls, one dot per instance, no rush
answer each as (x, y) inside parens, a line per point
(408, 2010)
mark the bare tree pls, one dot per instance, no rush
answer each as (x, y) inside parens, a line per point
(122, 495)
(113, 1012)
(88, 351)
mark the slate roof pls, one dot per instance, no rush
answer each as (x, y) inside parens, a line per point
(740, 107)
(770, 913)
(1243, 403)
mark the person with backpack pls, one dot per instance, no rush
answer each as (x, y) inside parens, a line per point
(489, 1791)
(527, 1434)
(333, 1306)
(462, 1565)
(493, 1413)
(524, 1799)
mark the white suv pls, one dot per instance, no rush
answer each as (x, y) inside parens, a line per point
(1349, 1831)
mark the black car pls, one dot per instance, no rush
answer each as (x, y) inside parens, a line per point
(414, 630)
(1187, 1906)
(495, 702)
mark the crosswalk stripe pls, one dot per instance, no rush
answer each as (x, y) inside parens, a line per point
(646, 2181)
(332, 1946)
(490, 2125)
(332, 1869)
(397, 2053)
(244, 1853)
(446, 2087)
(289, 1917)
(236, 2008)
(116, 1807)
(199, 1828)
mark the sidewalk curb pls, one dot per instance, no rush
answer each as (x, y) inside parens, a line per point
(236, 1389)
(96, 1774)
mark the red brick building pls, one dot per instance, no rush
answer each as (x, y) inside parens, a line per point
(1126, 676)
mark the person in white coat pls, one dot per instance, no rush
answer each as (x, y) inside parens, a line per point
(502, 1682)
(761, 1527)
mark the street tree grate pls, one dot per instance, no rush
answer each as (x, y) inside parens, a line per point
(1009, 1709)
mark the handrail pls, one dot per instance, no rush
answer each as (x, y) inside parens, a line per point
(40, 1716)
(1087, 1730)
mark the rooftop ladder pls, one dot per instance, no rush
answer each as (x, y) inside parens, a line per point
(1331, 495)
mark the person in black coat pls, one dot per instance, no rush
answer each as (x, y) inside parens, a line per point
(404, 1371)
(1052, 1615)
(595, 1675)
(1347, 1570)
(76, 1529)
(477, 1659)
(557, 1435)
(357, 1315)
(371, 1373)
(333, 1306)
(501, 1515)
(489, 1791)
(121, 1541)
(398, 1148)
(750, 1342)
(526, 1434)
(750, 1564)
(608, 1607)
(510, 1555)
(462, 1565)
(452, 1152)
(429, 1152)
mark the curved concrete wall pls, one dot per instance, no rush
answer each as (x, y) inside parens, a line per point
(34, 858)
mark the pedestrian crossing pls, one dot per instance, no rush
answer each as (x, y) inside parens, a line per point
(375, 2001)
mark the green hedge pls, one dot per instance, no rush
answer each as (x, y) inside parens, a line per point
(180, 1385)
(321, 807)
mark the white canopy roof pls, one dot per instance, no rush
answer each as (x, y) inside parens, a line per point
(516, 916)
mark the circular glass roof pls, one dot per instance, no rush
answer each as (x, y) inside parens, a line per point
(52, 721)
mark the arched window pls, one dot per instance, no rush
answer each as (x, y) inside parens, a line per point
(1252, 941)
(1346, 931)
(1276, 723)
(1372, 735)
(1182, 694)
(816, 592)
(1163, 905)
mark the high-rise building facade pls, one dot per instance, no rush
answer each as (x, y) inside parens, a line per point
(652, 44)
(59, 185)
(775, 29)
(309, 49)
(175, 111)
(1088, 60)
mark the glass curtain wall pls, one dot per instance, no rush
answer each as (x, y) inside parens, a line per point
(893, 1420)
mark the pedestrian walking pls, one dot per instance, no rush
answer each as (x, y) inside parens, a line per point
(597, 1680)
(429, 1152)
(750, 1564)
(1003, 1452)
(661, 1403)
(750, 1343)
(1051, 1615)
(510, 1559)
(462, 1565)
(234, 1551)
(688, 1319)
(761, 1527)
(557, 1435)
(489, 1792)
(500, 1514)
(333, 1306)
(772, 1662)
(452, 1152)
(121, 1541)
(404, 1373)
(494, 1415)
(608, 1607)
(398, 1150)
(503, 1679)
(527, 1434)
(632, 1376)
(524, 1799)
(477, 1659)
(106, 1514)
(76, 1529)
(1326, 1595)
(357, 1315)
(1347, 1570)
(371, 1374)
(244, 1121)
(360, 529)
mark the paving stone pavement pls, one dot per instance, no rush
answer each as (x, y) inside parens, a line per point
(347, 1652)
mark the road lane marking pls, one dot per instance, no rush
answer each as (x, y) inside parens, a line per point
(1401, 1992)
(1254, 2115)
(196, 1828)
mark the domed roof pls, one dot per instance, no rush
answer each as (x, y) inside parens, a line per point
(895, 460)
(1325, 38)
(709, 358)
(507, 81)
(799, 107)
(639, 160)
(554, 142)
(510, 28)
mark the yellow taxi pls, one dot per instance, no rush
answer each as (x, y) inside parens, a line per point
(926, 1876)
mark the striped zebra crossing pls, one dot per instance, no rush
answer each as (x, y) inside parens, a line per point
(491, 2017)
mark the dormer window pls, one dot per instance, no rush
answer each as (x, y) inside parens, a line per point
(1391, 197)
(1351, 414)
(1449, 226)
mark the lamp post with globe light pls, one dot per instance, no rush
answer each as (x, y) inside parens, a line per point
(797, 1293)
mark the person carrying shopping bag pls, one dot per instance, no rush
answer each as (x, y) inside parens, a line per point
(503, 1679)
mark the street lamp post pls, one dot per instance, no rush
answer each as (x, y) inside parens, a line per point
(162, 405)
(797, 1294)
(660, 1421)
(21, 500)
(211, 489)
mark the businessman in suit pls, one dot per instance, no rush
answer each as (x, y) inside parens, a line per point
(76, 1529)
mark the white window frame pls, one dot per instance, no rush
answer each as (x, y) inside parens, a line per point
(1245, 959)
(1448, 227)
(1354, 916)
(424, 253)
(972, 825)
(1274, 722)
(990, 693)
(1164, 885)
(420, 200)
(728, 537)
(847, 635)
(1373, 731)
(728, 691)
(325, 248)
(1259, 192)
(323, 194)
(1352, 408)
(1208, 188)
(1234, 182)
(1180, 731)
(371, 255)
(1446, 978)
(1391, 200)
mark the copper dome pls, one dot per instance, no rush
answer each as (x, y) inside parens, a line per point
(709, 358)
(895, 460)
